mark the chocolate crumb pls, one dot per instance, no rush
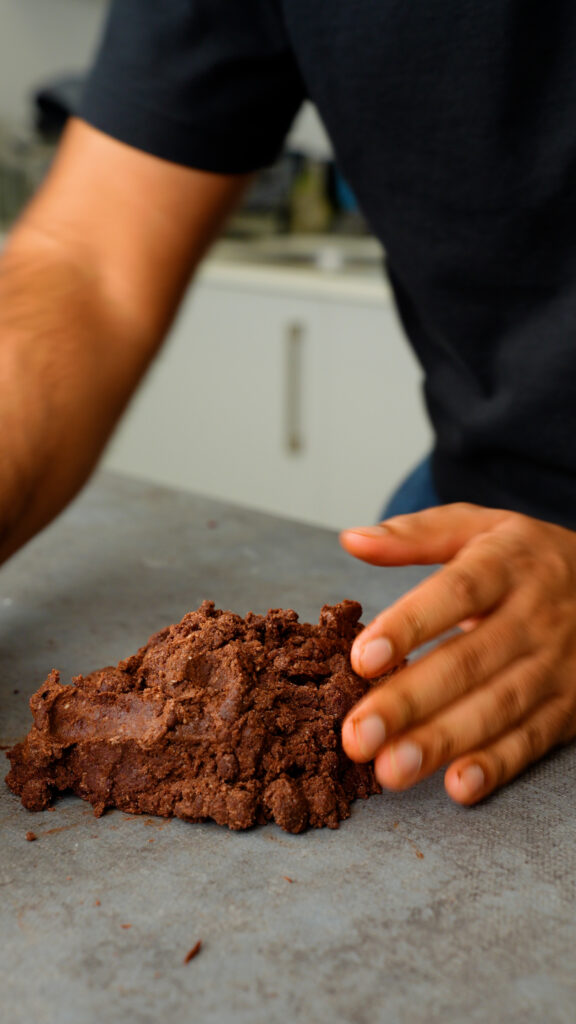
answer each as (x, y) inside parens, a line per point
(31, 836)
(193, 952)
(15, 691)
(125, 925)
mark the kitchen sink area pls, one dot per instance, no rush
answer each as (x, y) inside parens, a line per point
(324, 253)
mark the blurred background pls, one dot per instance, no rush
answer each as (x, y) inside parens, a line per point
(286, 384)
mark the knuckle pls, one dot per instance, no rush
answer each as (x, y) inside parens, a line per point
(512, 704)
(531, 742)
(413, 626)
(562, 722)
(469, 663)
(464, 664)
(545, 626)
(536, 681)
(521, 531)
(444, 747)
(521, 526)
(406, 708)
(551, 571)
(465, 506)
(525, 691)
(543, 621)
(464, 587)
(495, 768)
(539, 549)
(559, 569)
(519, 542)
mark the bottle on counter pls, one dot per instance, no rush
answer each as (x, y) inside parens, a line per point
(310, 208)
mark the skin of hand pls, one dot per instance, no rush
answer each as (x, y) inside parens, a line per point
(487, 700)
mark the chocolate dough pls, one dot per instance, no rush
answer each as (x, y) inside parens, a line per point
(217, 717)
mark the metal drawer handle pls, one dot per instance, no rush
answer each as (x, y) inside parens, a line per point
(293, 433)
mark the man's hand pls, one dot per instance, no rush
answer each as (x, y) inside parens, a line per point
(498, 695)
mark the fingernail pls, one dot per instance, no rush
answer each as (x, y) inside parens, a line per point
(407, 759)
(370, 735)
(472, 780)
(367, 531)
(375, 655)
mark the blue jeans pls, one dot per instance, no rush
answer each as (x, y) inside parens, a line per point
(417, 491)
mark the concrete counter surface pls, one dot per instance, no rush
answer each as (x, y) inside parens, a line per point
(414, 911)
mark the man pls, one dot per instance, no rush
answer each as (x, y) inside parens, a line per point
(454, 123)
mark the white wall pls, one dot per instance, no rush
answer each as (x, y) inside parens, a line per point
(39, 39)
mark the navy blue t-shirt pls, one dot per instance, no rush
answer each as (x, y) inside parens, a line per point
(455, 123)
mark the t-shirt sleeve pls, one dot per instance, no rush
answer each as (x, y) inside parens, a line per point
(211, 84)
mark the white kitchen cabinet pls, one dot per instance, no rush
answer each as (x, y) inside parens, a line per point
(293, 393)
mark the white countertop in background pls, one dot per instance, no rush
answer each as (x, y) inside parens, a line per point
(322, 266)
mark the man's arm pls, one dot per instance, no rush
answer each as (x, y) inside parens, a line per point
(90, 280)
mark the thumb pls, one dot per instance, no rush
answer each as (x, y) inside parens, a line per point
(421, 538)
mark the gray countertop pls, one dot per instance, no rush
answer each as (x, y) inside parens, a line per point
(415, 910)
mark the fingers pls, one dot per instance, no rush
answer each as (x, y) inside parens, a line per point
(431, 684)
(470, 779)
(472, 722)
(468, 587)
(432, 536)
(492, 735)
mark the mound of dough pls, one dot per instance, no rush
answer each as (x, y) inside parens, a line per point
(220, 717)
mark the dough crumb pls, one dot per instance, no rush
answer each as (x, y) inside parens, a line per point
(193, 952)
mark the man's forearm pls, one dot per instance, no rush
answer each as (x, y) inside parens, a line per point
(68, 363)
(89, 283)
